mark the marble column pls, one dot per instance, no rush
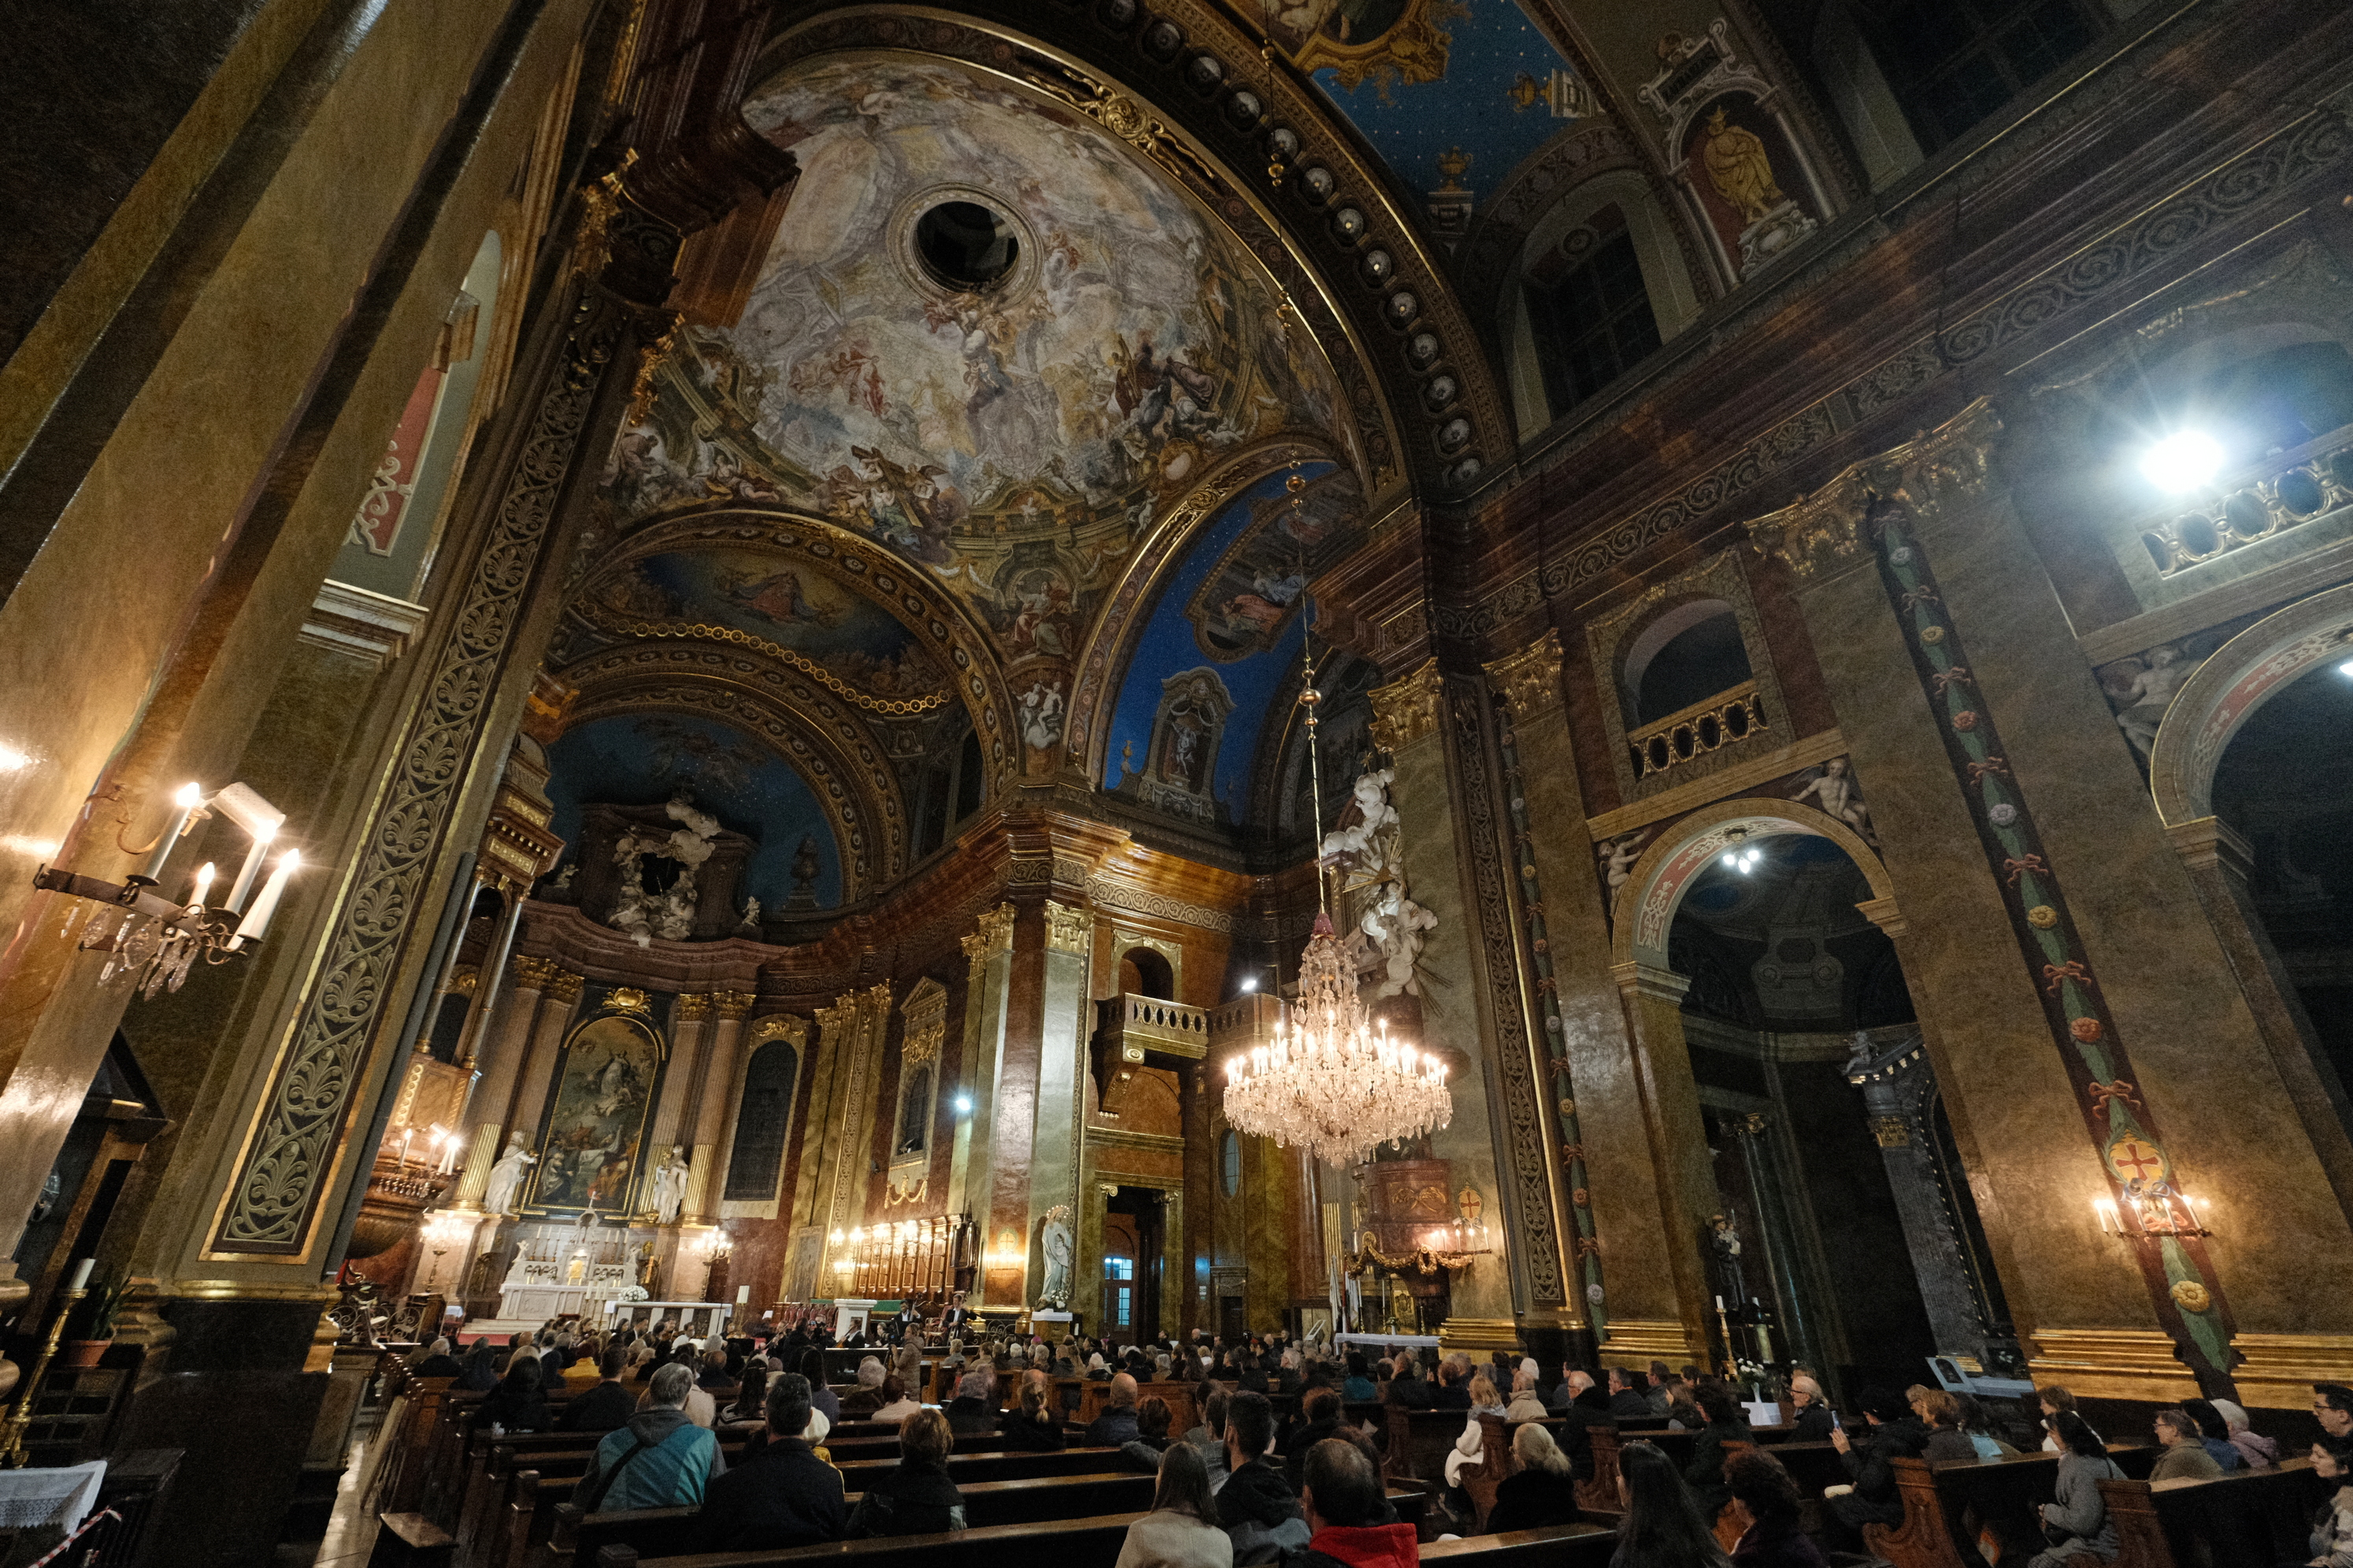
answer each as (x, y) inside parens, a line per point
(538, 1078)
(1064, 1012)
(723, 1081)
(504, 1046)
(690, 1019)
(1663, 1101)
(988, 957)
(1412, 723)
(831, 1192)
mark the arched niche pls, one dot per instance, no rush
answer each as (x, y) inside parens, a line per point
(2214, 703)
(763, 1116)
(1145, 971)
(1666, 279)
(1645, 906)
(1680, 656)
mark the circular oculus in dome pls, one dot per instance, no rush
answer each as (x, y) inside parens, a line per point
(965, 246)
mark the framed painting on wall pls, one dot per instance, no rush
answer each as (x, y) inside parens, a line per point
(592, 1141)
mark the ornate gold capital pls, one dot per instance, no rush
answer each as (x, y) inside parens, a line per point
(926, 1008)
(628, 999)
(463, 980)
(783, 1026)
(1529, 680)
(565, 986)
(693, 1006)
(993, 936)
(1820, 535)
(1068, 930)
(733, 1004)
(1405, 710)
(534, 974)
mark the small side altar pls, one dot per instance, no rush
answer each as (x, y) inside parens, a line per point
(563, 1271)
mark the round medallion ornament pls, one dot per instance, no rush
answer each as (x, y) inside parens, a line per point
(2134, 1159)
(2003, 815)
(2043, 916)
(1900, 556)
(1932, 635)
(2085, 1030)
(1593, 1294)
(2191, 1297)
(1965, 720)
(1569, 1108)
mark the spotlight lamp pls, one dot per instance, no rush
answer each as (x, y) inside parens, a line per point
(2182, 462)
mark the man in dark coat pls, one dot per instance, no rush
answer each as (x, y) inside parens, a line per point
(783, 1496)
(1116, 1425)
(1894, 1433)
(604, 1406)
(1320, 1413)
(1588, 1407)
(974, 1408)
(1626, 1398)
(1256, 1506)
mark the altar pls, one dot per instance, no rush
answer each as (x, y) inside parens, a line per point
(572, 1271)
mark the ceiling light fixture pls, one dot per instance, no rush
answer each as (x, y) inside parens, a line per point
(2184, 460)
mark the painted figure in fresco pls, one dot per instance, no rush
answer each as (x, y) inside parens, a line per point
(1841, 798)
(1250, 610)
(506, 1176)
(1737, 166)
(776, 599)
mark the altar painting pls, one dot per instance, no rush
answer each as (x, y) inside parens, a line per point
(591, 1143)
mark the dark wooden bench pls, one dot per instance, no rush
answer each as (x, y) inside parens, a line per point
(2248, 1519)
(1496, 1460)
(1947, 1508)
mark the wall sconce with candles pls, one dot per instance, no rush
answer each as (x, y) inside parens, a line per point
(159, 940)
(2150, 1209)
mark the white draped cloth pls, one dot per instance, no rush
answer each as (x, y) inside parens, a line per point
(54, 1498)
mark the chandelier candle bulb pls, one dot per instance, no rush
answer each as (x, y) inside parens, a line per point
(190, 800)
(203, 886)
(251, 868)
(257, 921)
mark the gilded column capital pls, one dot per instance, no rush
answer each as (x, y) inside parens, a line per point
(463, 980)
(1529, 680)
(693, 1006)
(1405, 710)
(564, 986)
(534, 974)
(734, 1004)
(832, 1021)
(1821, 536)
(785, 1026)
(1068, 930)
(993, 936)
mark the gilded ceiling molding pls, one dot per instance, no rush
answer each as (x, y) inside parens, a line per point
(790, 1028)
(1529, 680)
(1110, 642)
(1406, 710)
(941, 623)
(1369, 270)
(855, 789)
(1821, 536)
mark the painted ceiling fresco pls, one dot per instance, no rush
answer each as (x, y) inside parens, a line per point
(1251, 548)
(1016, 440)
(775, 598)
(645, 760)
(1453, 94)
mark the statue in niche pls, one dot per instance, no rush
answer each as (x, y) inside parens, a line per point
(643, 912)
(1739, 168)
(1860, 1059)
(1618, 857)
(506, 1176)
(1724, 1259)
(751, 921)
(915, 1111)
(1840, 797)
(1061, 1248)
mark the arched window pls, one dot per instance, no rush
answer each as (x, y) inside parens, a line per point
(756, 1165)
(969, 779)
(1684, 656)
(1143, 972)
(915, 1112)
(1952, 63)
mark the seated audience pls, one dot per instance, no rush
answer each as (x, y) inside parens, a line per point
(1341, 1501)
(2212, 1435)
(1661, 1390)
(896, 1405)
(2182, 1457)
(748, 1402)
(517, 1405)
(1406, 1389)
(2261, 1453)
(1359, 1384)
(1627, 1401)
(974, 1408)
(714, 1371)
(1979, 1426)
(1453, 1389)
(1116, 1424)
(1812, 1416)
(1030, 1426)
(785, 1495)
(2054, 1399)
(436, 1362)
(2332, 1527)
(1319, 1418)
(1662, 1526)
(863, 1402)
(1209, 1436)
(660, 1459)
(1765, 1501)
(1181, 1530)
(1256, 1506)
(1942, 1417)
(1722, 1422)
(1542, 1491)
(1890, 1434)
(2332, 1406)
(822, 1398)
(481, 1373)
(1524, 1404)
(603, 1407)
(2076, 1522)
(917, 1497)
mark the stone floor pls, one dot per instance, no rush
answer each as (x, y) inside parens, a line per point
(351, 1529)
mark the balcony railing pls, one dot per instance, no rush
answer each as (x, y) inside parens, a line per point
(1149, 1023)
(2261, 506)
(1728, 719)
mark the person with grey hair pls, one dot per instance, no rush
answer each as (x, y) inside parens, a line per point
(974, 1408)
(437, 1361)
(1813, 1412)
(660, 1459)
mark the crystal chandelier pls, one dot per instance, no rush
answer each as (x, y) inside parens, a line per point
(1332, 1083)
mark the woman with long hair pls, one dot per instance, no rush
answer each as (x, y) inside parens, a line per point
(821, 1397)
(517, 1405)
(1663, 1527)
(1765, 1501)
(1541, 1491)
(1181, 1530)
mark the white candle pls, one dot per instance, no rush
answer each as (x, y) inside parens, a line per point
(203, 884)
(257, 919)
(1719, 1303)
(252, 867)
(81, 1280)
(189, 798)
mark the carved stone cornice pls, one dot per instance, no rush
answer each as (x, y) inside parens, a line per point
(1068, 930)
(1821, 536)
(734, 1004)
(1529, 680)
(789, 1027)
(693, 1007)
(1406, 710)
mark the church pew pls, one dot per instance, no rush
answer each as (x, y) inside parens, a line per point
(2248, 1519)
(409, 1458)
(1557, 1546)
(1496, 1460)
(1420, 1441)
(1947, 1507)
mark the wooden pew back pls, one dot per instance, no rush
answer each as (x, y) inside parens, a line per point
(2248, 1519)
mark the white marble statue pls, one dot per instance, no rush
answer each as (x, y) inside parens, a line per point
(2142, 700)
(669, 915)
(1060, 1252)
(667, 1191)
(1840, 797)
(506, 1176)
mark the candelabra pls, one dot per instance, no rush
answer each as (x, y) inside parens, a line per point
(14, 1454)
